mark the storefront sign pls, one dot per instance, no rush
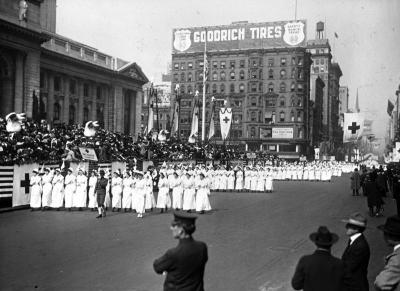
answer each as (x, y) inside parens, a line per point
(282, 132)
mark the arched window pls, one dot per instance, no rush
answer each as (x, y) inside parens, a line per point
(270, 74)
(253, 101)
(241, 75)
(299, 116)
(300, 87)
(100, 115)
(182, 77)
(85, 114)
(200, 76)
(292, 116)
(215, 76)
(57, 110)
(214, 88)
(260, 87)
(190, 77)
(71, 114)
(232, 88)
(222, 88)
(292, 74)
(232, 75)
(223, 76)
(292, 87)
(271, 87)
(282, 102)
(292, 102)
(300, 133)
(241, 88)
(182, 88)
(283, 73)
(253, 132)
(190, 90)
(299, 102)
(282, 116)
(282, 87)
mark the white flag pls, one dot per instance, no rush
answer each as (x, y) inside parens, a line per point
(150, 121)
(225, 120)
(195, 121)
(353, 126)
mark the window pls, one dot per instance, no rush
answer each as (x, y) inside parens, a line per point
(223, 76)
(292, 102)
(283, 74)
(293, 61)
(317, 61)
(260, 87)
(273, 117)
(190, 90)
(270, 103)
(253, 117)
(241, 75)
(182, 88)
(232, 75)
(300, 74)
(322, 61)
(232, 64)
(42, 82)
(215, 64)
(253, 87)
(222, 88)
(242, 63)
(270, 74)
(254, 63)
(201, 64)
(72, 87)
(182, 77)
(253, 132)
(299, 118)
(300, 133)
(85, 115)
(254, 74)
(57, 84)
(270, 62)
(282, 116)
(292, 87)
(283, 61)
(232, 88)
(182, 66)
(200, 76)
(57, 110)
(292, 74)
(300, 61)
(190, 77)
(291, 116)
(253, 101)
(176, 66)
(322, 69)
(299, 102)
(241, 88)
(176, 78)
(282, 102)
(100, 115)
(215, 76)
(316, 69)
(237, 103)
(214, 88)
(282, 87)
(86, 90)
(71, 114)
(98, 92)
(223, 65)
(237, 118)
(300, 87)
(270, 87)
(190, 65)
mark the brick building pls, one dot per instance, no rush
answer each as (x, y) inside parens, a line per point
(263, 77)
(52, 77)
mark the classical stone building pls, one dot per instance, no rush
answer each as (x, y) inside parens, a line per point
(263, 77)
(51, 77)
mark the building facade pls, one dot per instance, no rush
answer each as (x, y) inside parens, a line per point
(263, 79)
(343, 102)
(51, 77)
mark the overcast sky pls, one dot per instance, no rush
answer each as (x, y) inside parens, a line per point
(367, 48)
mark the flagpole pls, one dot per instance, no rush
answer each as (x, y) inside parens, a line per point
(203, 114)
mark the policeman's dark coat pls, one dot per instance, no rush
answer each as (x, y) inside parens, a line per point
(373, 195)
(319, 271)
(356, 259)
(184, 265)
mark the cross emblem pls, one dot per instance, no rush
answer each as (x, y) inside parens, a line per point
(354, 127)
(226, 119)
(26, 183)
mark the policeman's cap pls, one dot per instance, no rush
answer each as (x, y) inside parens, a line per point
(183, 218)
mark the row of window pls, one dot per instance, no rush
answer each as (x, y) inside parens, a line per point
(254, 74)
(252, 62)
(253, 87)
(72, 114)
(59, 86)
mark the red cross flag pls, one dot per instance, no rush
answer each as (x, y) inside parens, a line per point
(225, 120)
(353, 126)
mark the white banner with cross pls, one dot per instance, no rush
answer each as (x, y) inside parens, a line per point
(21, 187)
(353, 126)
(225, 120)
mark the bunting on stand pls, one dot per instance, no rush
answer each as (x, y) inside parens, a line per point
(225, 117)
(195, 118)
(211, 130)
(150, 121)
(175, 114)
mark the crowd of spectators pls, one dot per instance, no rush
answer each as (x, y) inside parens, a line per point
(37, 142)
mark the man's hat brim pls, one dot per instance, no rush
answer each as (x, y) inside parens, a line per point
(334, 239)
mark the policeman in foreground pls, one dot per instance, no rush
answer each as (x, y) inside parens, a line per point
(183, 265)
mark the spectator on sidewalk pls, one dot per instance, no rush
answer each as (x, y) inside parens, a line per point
(355, 182)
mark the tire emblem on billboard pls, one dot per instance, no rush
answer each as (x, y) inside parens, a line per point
(294, 33)
(182, 40)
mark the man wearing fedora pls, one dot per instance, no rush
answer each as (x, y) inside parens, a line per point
(389, 277)
(183, 265)
(356, 255)
(320, 270)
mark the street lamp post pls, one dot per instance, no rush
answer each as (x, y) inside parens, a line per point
(397, 114)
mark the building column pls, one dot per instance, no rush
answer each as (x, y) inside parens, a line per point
(31, 80)
(105, 93)
(93, 92)
(118, 108)
(277, 147)
(50, 97)
(80, 102)
(19, 83)
(138, 112)
(132, 123)
(65, 118)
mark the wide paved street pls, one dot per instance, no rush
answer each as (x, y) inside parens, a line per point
(254, 241)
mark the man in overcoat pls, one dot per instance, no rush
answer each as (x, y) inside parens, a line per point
(183, 265)
(356, 255)
(355, 182)
(389, 277)
(320, 270)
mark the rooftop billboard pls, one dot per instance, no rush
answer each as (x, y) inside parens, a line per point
(240, 36)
